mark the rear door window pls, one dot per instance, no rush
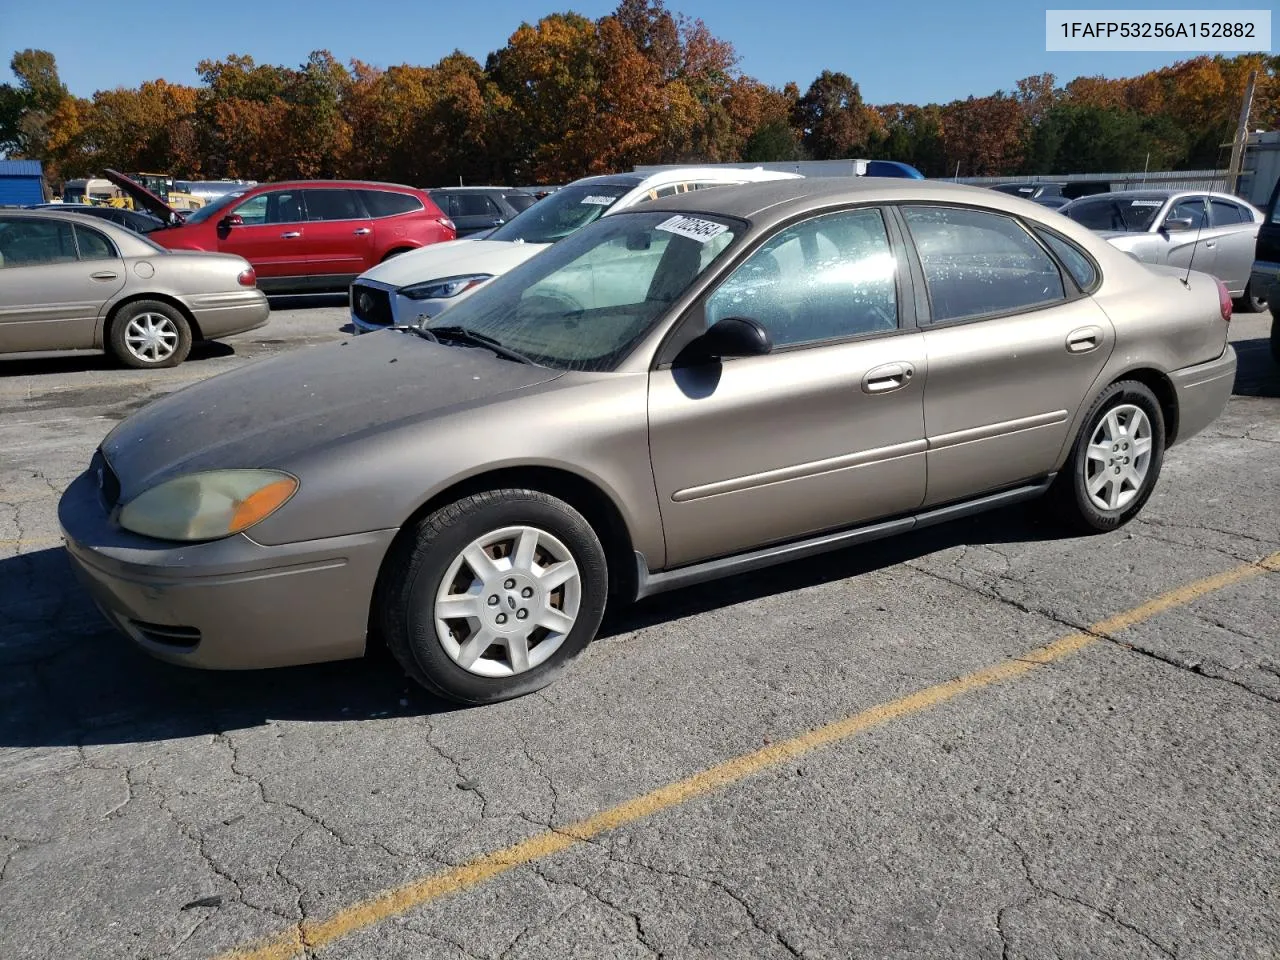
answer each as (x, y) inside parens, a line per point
(386, 203)
(332, 205)
(93, 245)
(980, 264)
(475, 205)
(1224, 213)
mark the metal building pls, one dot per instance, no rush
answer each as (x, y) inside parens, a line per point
(21, 182)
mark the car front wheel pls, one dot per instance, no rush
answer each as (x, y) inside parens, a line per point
(1115, 461)
(491, 596)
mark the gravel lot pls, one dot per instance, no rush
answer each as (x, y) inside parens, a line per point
(1116, 799)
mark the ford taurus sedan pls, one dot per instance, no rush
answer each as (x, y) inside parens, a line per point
(71, 282)
(702, 385)
(1211, 232)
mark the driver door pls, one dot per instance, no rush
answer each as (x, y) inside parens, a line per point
(1197, 247)
(271, 237)
(827, 430)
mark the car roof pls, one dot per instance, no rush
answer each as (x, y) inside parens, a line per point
(476, 189)
(777, 199)
(333, 184)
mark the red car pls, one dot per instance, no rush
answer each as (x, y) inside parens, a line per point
(305, 236)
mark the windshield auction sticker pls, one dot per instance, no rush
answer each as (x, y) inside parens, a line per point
(1184, 31)
(693, 228)
(599, 201)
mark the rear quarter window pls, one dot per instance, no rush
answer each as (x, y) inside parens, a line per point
(1077, 262)
(385, 203)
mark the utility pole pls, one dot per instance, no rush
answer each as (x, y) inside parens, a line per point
(1242, 135)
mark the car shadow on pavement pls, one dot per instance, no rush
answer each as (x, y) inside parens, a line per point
(1257, 373)
(306, 301)
(69, 679)
(84, 361)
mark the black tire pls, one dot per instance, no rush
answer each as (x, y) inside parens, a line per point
(176, 324)
(1248, 303)
(421, 557)
(1069, 496)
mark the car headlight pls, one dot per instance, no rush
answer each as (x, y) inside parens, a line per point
(444, 288)
(207, 505)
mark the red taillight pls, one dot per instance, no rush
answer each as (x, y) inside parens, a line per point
(448, 224)
(1224, 301)
(247, 278)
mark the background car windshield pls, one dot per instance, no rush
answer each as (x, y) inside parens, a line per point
(1131, 214)
(209, 209)
(562, 213)
(583, 304)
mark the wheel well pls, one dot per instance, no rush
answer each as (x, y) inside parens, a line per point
(1162, 387)
(584, 496)
(162, 298)
(394, 251)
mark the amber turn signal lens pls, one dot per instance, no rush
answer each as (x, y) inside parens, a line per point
(262, 503)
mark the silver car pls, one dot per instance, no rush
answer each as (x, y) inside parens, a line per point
(697, 386)
(71, 282)
(1211, 232)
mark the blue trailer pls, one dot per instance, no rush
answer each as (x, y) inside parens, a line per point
(21, 183)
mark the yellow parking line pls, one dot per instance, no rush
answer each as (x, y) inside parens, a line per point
(314, 934)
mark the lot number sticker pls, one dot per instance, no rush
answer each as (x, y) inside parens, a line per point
(693, 228)
(1146, 203)
(598, 200)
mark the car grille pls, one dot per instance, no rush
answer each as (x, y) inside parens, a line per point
(371, 304)
(106, 479)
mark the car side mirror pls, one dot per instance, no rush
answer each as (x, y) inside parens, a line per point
(1177, 224)
(734, 337)
(231, 220)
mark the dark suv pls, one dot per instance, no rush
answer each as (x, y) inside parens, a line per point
(481, 208)
(1265, 277)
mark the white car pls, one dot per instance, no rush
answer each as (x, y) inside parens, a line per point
(423, 283)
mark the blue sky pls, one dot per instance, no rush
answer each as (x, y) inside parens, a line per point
(926, 51)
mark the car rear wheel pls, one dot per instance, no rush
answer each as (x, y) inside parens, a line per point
(1115, 461)
(149, 333)
(491, 596)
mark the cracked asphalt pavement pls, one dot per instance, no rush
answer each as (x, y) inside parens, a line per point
(1120, 802)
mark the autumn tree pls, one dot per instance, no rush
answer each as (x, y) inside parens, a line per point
(832, 119)
(27, 109)
(984, 135)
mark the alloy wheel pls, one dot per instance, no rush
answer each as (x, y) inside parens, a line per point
(151, 337)
(508, 601)
(1118, 459)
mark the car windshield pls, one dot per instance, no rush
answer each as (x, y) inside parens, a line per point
(209, 209)
(583, 304)
(1128, 214)
(563, 213)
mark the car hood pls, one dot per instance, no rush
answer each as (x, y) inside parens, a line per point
(452, 259)
(143, 197)
(270, 413)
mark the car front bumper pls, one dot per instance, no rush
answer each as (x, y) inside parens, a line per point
(402, 309)
(228, 604)
(1202, 392)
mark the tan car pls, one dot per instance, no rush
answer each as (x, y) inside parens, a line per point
(702, 385)
(72, 282)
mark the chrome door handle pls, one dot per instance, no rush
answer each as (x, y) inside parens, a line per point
(1210, 244)
(1084, 340)
(104, 275)
(292, 234)
(362, 231)
(888, 377)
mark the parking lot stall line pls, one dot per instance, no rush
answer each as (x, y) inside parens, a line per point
(311, 935)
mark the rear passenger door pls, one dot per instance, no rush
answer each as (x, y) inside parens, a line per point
(55, 279)
(1235, 232)
(1013, 344)
(476, 212)
(338, 239)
